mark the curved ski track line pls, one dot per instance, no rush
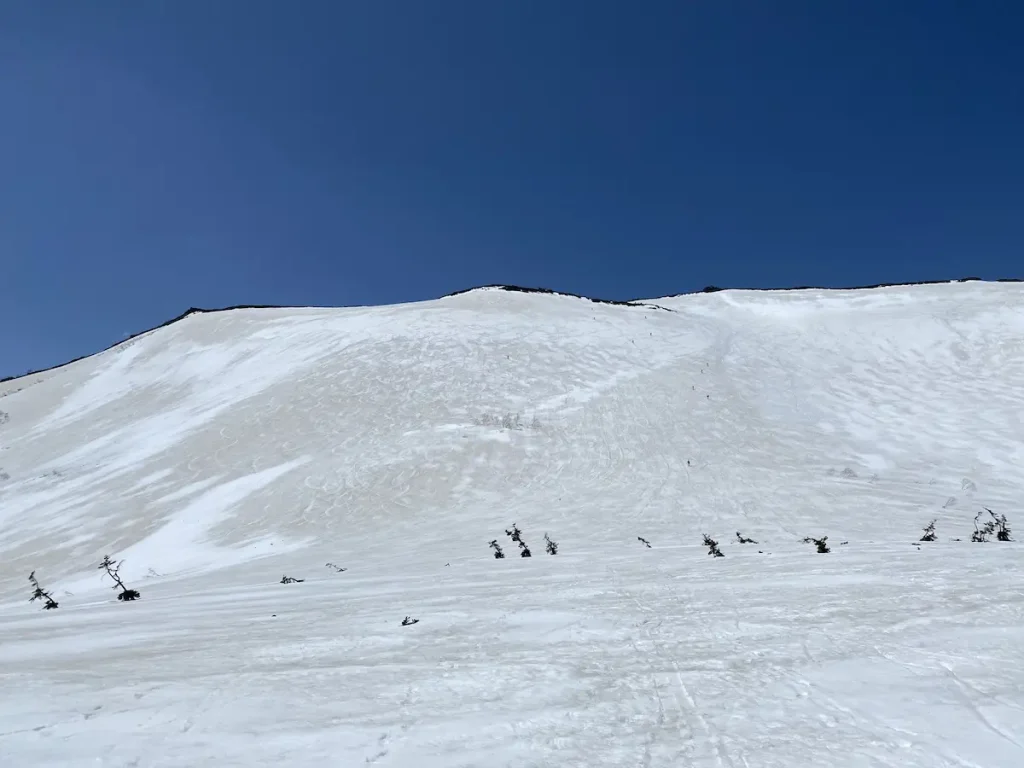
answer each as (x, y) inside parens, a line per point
(688, 708)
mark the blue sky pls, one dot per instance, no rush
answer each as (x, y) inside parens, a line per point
(160, 155)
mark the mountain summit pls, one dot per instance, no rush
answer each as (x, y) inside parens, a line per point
(394, 443)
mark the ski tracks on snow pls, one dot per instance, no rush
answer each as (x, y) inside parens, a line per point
(685, 704)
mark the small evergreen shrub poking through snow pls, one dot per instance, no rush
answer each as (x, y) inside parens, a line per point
(550, 546)
(929, 532)
(38, 593)
(507, 421)
(517, 536)
(644, 541)
(408, 622)
(983, 530)
(498, 554)
(1002, 529)
(290, 580)
(511, 421)
(112, 569)
(712, 546)
(821, 544)
(743, 539)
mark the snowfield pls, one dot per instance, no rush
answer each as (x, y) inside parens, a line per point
(224, 451)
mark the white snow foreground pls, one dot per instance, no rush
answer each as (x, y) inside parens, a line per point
(226, 450)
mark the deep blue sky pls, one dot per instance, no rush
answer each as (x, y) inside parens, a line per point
(159, 155)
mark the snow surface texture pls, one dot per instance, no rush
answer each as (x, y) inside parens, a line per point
(218, 453)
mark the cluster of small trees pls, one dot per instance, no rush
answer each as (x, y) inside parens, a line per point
(985, 528)
(712, 546)
(550, 546)
(113, 570)
(996, 525)
(507, 421)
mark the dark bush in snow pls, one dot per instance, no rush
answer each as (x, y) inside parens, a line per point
(743, 540)
(821, 544)
(498, 554)
(516, 535)
(644, 541)
(1003, 529)
(550, 546)
(929, 531)
(112, 570)
(712, 546)
(38, 593)
(511, 421)
(290, 580)
(407, 622)
(507, 421)
(982, 530)
(997, 526)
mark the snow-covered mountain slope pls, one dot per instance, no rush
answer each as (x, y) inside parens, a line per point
(220, 452)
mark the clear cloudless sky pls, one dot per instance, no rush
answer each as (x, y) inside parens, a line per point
(161, 155)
